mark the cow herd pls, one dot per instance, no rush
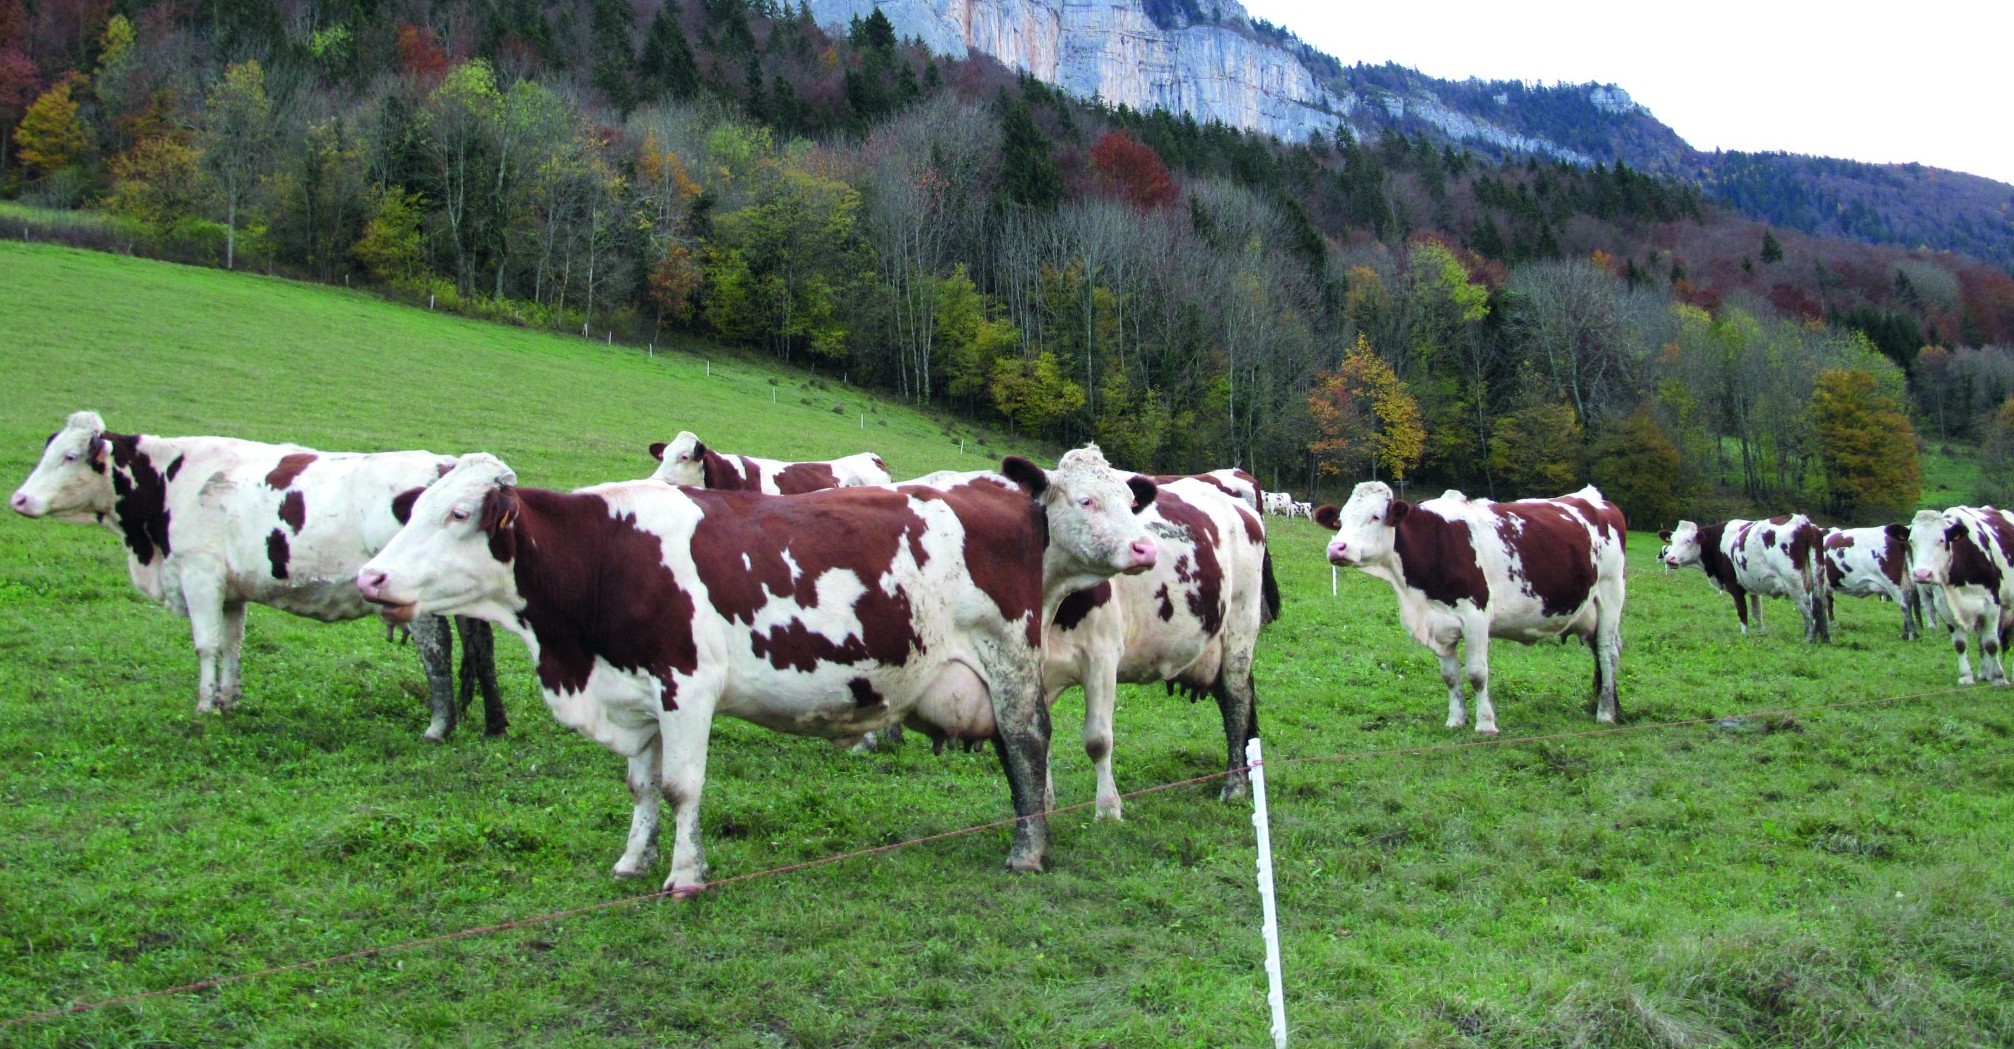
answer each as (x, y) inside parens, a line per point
(827, 599)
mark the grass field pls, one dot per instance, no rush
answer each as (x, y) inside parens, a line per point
(1835, 878)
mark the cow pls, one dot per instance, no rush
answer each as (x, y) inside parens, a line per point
(1873, 562)
(1192, 621)
(1231, 481)
(1963, 554)
(1468, 570)
(1306, 510)
(650, 608)
(684, 460)
(212, 524)
(1750, 560)
(1278, 504)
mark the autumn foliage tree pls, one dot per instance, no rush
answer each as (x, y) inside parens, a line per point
(1867, 445)
(51, 137)
(1135, 170)
(20, 83)
(1366, 417)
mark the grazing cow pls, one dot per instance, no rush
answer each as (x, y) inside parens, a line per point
(651, 608)
(1963, 554)
(1873, 562)
(1468, 570)
(1306, 510)
(1750, 560)
(212, 524)
(1279, 504)
(688, 462)
(1192, 622)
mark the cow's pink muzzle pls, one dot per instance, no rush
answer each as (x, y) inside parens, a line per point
(25, 505)
(1921, 575)
(371, 583)
(1143, 553)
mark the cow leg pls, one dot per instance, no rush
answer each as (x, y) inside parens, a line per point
(1021, 738)
(230, 686)
(1755, 610)
(206, 629)
(1607, 645)
(1990, 633)
(1101, 696)
(686, 733)
(479, 667)
(645, 791)
(1451, 675)
(434, 640)
(1476, 647)
(1238, 701)
(1741, 610)
(1912, 616)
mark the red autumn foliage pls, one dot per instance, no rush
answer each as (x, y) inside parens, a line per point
(1135, 170)
(422, 57)
(1792, 301)
(20, 84)
(1988, 296)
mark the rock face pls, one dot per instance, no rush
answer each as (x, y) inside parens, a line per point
(1113, 50)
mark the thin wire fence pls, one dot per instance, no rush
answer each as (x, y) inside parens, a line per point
(790, 868)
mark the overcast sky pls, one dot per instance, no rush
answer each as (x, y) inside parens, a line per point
(1930, 81)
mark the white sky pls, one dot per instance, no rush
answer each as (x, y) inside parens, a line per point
(1930, 81)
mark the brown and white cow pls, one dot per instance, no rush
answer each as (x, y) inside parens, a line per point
(1873, 562)
(212, 524)
(1192, 621)
(1964, 554)
(651, 608)
(1751, 560)
(1468, 570)
(686, 461)
(1230, 480)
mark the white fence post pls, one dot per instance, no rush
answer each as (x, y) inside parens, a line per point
(1275, 994)
(1332, 580)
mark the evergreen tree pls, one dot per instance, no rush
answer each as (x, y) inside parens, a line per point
(1772, 251)
(668, 68)
(1028, 174)
(614, 41)
(751, 82)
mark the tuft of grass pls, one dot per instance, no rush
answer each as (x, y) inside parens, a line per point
(1835, 879)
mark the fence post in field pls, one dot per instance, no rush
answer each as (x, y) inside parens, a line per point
(1275, 994)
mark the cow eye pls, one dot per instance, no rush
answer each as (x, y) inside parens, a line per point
(69, 457)
(1086, 502)
(459, 513)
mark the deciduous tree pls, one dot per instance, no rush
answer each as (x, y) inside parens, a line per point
(237, 139)
(1366, 417)
(1866, 444)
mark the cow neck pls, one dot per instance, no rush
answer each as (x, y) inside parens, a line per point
(1437, 557)
(1712, 559)
(717, 473)
(140, 468)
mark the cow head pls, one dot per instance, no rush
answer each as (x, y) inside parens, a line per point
(453, 557)
(1930, 546)
(684, 460)
(1092, 510)
(1681, 545)
(73, 482)
(1366, 526)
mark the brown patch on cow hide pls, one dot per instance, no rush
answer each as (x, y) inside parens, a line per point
(1255, 530)
(864, 694)
(594, 585)
(142, 498)
(1202, 578)
(175, 467)
(1970, 565)
(1552, 556)
(1607, 519)
(290, 467)
(740, 547)
(1714, 560)
(402, 504)
(1438, 558)
(798, 478)
(1805, 543)
(1006, 533)
(1893, 557)
(1071, 613)
(277, 552)
(2001, 531)
(878, 464)
(294, 510)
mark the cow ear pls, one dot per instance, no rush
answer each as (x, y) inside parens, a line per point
(1398, 511)
(499, 510)
(1898, 532)
(1033, 479)
(402, 504)
(1329, 516)
(657, 450)
(1144, 492)
(698, 450)
(1665, 535)
(99, 445)
(443, 468)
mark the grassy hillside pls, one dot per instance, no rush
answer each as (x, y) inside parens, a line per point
(1835, 878)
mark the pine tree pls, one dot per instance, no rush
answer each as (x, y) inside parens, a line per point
(1028, 174)
(668, 69)
(1772, 252)
(613, 23)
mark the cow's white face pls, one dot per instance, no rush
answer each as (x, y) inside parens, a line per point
(1366, 527)
(1092, 511)
(1930, 548)
(72, 482)
(441, 562)
(683, 460)
(1681, 545)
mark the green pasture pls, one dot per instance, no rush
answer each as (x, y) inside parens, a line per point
(1834, 877)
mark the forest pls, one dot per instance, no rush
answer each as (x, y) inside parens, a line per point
(1190, 296)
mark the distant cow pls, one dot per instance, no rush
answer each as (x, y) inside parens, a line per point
(1192, 621)
(1963, 554)
(1873, 562)
(1750, 560)
(688, 462)
(1467, 570)
(212, 524)
(651, 608)
(1279, 504)
(1306, 510)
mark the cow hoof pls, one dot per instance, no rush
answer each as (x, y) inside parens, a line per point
(1110, 810)
(1234, 792)
(679, 888)
(637, 867)
(1457, 722)
(1026, 864)
(1486, 730)
(435, 733)
(1965, 680)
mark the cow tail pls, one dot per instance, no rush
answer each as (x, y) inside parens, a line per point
(1270, 587)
